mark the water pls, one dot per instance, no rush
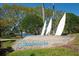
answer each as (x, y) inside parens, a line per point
(24, 34)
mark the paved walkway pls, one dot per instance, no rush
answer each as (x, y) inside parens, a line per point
(8, 39)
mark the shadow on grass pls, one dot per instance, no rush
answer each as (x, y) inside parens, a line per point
(32, 54)
(4, 51)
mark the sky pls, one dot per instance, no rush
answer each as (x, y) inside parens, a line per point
(65, 7)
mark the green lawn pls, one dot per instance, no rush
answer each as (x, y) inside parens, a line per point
(46, 52)
(59, 51)
(6, 44)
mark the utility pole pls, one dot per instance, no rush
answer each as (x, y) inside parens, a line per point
(53, 7)
(43, 13)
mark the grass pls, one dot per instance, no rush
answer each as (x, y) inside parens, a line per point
(59, 51)
(6, 44)
(46, 52)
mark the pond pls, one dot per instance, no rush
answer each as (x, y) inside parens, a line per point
(24, 34)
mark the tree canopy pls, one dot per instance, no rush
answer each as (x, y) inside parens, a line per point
(30, 19)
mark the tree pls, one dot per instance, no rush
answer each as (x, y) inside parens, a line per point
(32, 24)
(10, 18)
(72, 23)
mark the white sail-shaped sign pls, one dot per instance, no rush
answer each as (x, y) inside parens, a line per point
(49, 27)
(61, 25)
(44, 28)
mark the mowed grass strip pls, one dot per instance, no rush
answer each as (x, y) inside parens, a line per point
(46, 52)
